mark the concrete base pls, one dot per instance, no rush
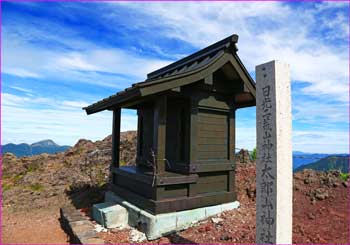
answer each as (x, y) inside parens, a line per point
(155, 226)
(110, 215)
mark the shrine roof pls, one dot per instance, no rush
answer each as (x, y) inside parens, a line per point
(184, 67)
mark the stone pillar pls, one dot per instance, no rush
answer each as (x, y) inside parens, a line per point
(274, 176)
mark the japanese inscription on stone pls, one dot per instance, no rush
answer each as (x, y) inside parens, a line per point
(273, 139)
(267, 177)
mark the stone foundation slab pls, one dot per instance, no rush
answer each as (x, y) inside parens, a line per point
(155, 226)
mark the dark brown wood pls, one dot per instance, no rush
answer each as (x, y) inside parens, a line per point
(209, 79)
(145, 139)
(202, 54)
(135, 174)
(159, 137)
(116, 137)
(192, 190)
(177, 131)
(186, 131)
(204, 166)
(231, 180)
(135, 186)
(193, 130)
(211, 182)
(244, 99)
(210, 166)
(138, 200)
(146, 176)
(174, 180)
(185, 203)
(174, 204)
(139, 135)
(172, 191)
(232, 134)
(200, 66)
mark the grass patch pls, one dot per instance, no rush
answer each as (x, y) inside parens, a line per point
(101, 180)
(6, 177)
(6, 187)
(101, 183)
(33, 166)
(79, 151)
(344, 176)
(67, 163)
(17, 178)
(36, 187)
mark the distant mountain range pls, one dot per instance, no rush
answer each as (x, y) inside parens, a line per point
(340, 162)
(302, 160)
(44, 146)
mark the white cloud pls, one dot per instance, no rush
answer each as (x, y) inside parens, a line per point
(88, 64)
(12, 100)
(204, 23)
(22, 89)
(21, 72)
(15, 100)
(288, 38)
(320, 112)
(110, 60)
(245, 138)
(327, 140)
(274, 31)
(331, 5)
(79, 104)
(267, 31)
(321, 141)
(63, 121)
(75, 61)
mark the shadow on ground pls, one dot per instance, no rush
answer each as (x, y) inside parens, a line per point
(85, 196)
(176, 238)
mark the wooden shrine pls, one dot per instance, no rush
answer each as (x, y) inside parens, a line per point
(186, 131)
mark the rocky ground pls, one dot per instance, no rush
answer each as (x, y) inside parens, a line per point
(320, 213)
(321, 208)
(35, 187)
(42, 180)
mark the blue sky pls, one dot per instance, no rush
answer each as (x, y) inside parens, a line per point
(59, 57)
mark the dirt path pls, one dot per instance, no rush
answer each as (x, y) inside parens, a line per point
(33, 227)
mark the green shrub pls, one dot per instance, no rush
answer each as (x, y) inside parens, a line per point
(253, 154)
(344, 176)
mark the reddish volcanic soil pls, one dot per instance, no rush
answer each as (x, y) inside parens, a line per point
(320, 215)
(34, 227)
(323, 220)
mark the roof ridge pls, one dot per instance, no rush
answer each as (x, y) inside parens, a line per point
(224, 43)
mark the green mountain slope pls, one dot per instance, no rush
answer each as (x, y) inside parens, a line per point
(44, 146)
(328, 163)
